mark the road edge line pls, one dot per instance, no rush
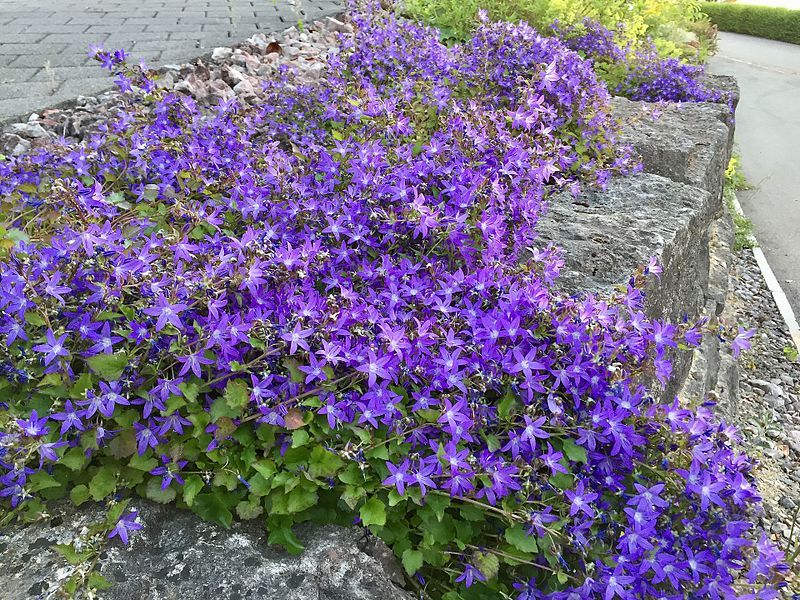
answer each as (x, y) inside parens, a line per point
(774, 286)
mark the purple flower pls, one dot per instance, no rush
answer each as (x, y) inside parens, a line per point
(33, 425)
(580, 500)
(169, 471)
(399, 476)
(469, 575)
(125, 525)
(53, 348)
(167, 313)
(70, 418)
(741, 341)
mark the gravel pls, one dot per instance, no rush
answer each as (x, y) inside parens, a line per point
(225, 73)
(769, 409)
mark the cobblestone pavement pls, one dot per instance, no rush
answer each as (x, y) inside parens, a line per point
(44, 43)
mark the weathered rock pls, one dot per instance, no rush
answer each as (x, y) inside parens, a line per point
(723, 83)
(193, 85)
(30, 130)
(689, 143)
(606, 235)
(221, 54)
(13, 145)
(177, 556)
(244, 88)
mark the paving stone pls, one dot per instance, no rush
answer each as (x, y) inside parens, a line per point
(44, 43)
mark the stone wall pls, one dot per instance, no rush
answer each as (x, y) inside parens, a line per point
(672, 210)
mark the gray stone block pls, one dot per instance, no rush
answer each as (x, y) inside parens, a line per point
(689, 143)
(177, 556)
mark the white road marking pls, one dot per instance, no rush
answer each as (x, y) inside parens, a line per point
(774, 286)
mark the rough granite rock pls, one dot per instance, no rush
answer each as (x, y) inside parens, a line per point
(177, 556)
(689, 143)
(606, 235)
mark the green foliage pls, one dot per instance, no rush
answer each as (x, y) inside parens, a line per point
(768, 22)
(666, 21)
(742, 226)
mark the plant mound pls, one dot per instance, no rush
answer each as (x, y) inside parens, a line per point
(333, 307)
(637, 71)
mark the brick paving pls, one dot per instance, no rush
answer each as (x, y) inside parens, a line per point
(44, 43)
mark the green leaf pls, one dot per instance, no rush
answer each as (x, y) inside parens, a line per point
(412, 561)
(573, 452)
(438, 504)
(562, 481)
(506, 405)
(103, 483)
(220, 409)
(98, 582)
(153, 491)
(211, 508)
(190, 391)
(295, 374)
(237, 395)
(192, 487)
(140, 463)
(373, 513)
(300, 499)
(281, 534)
(260, 485)
(488, 564)
(108, 366)
(519, 538)
(299, 438)
(249, 509)
(79, 494)
(74, 459)
(42, 480)
(323, 463)
(73, 557)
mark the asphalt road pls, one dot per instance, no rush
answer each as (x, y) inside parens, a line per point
(768, 140)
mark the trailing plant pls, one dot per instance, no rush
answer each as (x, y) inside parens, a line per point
(334, 307)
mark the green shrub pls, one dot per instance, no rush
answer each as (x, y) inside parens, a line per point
(666, 21)
(769, 22)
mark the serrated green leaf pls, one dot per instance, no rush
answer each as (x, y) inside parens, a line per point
(220, 409)
(519, 538)
(237, 395)
(249, 509)
(153, 491)
(190, 391)
(573, 452)
(42, 480)
(140, 463)
(281, 534)
(487, 563)
(108, 366)
(192, 486)
(412, 560)
(79, 494)
(73, 557)
(373, 513)
(103, 483)
(74, 459)
(211, 508)
(300, 499)
(299, 438)
(323, 463)
(97, 582)
(438, 503)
